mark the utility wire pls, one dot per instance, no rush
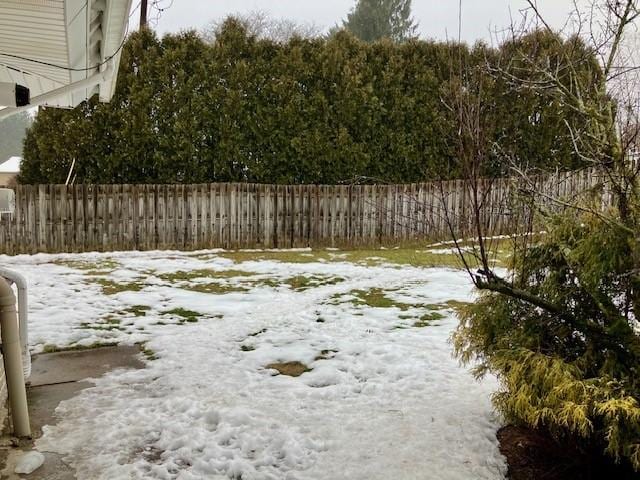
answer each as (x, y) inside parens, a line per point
(160, 7)
(154, 3)
(71, 69)
(62, 67)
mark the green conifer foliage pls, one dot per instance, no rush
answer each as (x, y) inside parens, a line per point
(308, 110)
(372, 20)
(573, 372)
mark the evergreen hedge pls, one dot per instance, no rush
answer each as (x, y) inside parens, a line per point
(324, 110)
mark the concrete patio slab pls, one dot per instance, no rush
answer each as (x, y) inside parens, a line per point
(57, 377)
(72, 366)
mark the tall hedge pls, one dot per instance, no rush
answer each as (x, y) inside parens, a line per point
(324, 110)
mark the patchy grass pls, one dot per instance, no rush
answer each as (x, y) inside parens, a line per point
(266, 282)
(148, 353)
(417, 257)
(109, 287)
(427, 319)
(107, 323)
(114, 321)
(301, 282)
(184, 279)
(291, 369)
(102, 266)
(326, 355)
(420, 257)
(186, 315)
(286, 256)
(456, 305)
(98, 273)
(49, 348)
(107, 327)
(137, 310)
(181, 276)
(414, 258)
(214, 288)
(376, 298)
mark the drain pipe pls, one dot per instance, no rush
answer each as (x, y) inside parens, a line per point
(12, 357)
(23, 312)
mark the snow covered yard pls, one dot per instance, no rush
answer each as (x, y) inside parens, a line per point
(380, 396)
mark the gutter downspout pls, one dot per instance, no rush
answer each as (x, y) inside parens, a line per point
(12, 357)
(23, 312)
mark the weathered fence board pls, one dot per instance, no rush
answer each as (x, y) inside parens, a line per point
(58, 218)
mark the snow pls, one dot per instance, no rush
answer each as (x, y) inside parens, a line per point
(384, 399)
(29, 462)
(448, 251)
(12, 165)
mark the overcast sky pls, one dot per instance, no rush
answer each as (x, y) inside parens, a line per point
(437, 18)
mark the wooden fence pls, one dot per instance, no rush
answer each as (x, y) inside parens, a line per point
(58, 218)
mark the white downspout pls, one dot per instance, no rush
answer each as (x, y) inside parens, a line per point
(11, 353)
(23, 314)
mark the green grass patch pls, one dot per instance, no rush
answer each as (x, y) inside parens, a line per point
(214, 288)
(148, 353)
(109, 287)
(101, 267)
(106, 327)
(137, 310)
(218, 288)
(49, 348)
(110, 319)
(108, 323)
(286, 256)
(301, 282)
(456, 305)
(186, 315)
(427, 319)
(181, 276)
(376, 298)
(113, 322)
(411, 257)
(266, 282)
(98, 273)
(418, 256)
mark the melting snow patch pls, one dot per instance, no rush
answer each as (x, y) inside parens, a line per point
(29, 462)
(380, 398)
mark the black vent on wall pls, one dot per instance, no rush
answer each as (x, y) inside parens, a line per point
(23, 96)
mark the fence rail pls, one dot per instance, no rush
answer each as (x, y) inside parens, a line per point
(59, 218)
